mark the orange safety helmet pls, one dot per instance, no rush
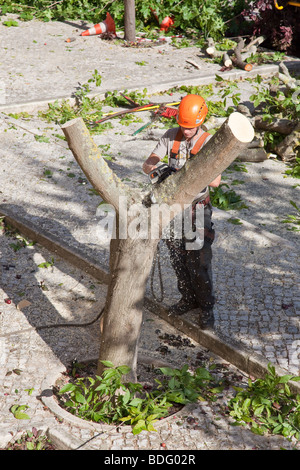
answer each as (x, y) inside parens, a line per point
(192, 111)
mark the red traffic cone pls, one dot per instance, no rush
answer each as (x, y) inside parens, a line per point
(108, 26)
(166, 23)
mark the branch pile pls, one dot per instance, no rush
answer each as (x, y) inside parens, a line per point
(255, 151)
(237, 56)
(289, 147)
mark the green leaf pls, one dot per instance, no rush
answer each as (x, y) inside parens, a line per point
(136, 402)
(126, 397)
(139, 427)
(79, 397)
(167, 371)
(30, 445)
(259, 410)
(124, 370)
(17, 411)
(107, 363)
(10, 22)
(67, 388)
(150, 427)
(235, 221)
(285, 378)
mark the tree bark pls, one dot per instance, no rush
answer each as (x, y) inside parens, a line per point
(89, 158)
(129, 20)
(213, 122)
(253, 155)
(226, 60)
(123, 314)
(256, 41)
(283, 126)
(237, 60)
(131, 254)
(289, 147)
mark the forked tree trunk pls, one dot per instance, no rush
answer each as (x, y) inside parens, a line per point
(130, 257)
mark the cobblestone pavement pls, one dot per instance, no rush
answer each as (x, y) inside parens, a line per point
(32, 360)
(256, 262)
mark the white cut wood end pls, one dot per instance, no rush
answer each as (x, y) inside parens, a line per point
(241, 127)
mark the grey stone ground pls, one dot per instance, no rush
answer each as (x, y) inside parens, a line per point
(256, 264)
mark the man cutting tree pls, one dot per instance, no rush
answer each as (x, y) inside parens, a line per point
(192, 266)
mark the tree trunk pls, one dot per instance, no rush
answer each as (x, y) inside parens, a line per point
(123, 315)
(129, 20)
(132, 252)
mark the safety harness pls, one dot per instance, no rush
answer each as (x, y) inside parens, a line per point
(208, 234)
(198, 144)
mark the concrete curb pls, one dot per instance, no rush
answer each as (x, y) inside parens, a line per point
(64, 440)
(31, 106)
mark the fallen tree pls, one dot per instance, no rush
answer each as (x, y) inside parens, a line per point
(132, 248)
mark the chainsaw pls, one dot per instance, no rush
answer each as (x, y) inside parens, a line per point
(157, 175)
(160, 173)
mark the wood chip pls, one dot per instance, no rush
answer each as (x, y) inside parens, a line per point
(24, 303)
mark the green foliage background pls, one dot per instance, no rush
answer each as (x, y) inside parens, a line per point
(209, 17)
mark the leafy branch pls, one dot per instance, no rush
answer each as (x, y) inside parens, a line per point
(268, 405)
(111, 400)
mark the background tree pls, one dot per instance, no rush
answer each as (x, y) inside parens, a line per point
(129, 20)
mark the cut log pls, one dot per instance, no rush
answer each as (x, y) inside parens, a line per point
(212, 51)
(211, 48)
(284, 75)
(237, 60)
(212, 123)
(253, 155)
(290, 146)
(282, 126)
(283, 69)
(242, 108)
(255, 42)
(257, 143)
(248, 53)
(194, 64)
(227, 60)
